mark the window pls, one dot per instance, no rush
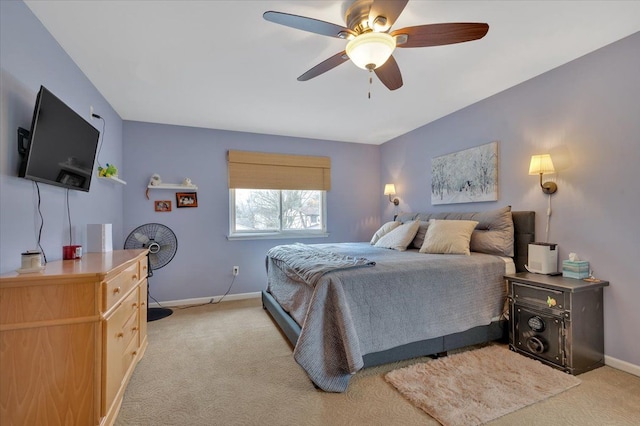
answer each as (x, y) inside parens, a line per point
(272, 213)
(277, 195)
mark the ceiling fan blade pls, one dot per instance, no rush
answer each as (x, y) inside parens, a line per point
(389, 74)
(308, 24)
(325, 66)
(390, 10)
(440, 34)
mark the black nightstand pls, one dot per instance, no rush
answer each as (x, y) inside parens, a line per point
(557, 320)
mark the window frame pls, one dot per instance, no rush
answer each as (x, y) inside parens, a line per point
(279, 234)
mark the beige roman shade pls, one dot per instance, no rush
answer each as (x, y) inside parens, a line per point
(260, 170)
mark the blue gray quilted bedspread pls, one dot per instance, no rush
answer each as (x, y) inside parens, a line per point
(367, 299)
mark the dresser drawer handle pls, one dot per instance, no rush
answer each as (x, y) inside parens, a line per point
(134, 277)
(134, 353)
(134, 328)
(143, 303)
(116, 290)
(134, 305)
(120, 335)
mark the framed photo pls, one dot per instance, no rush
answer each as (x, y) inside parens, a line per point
(163, 205)
(186, 199)
(467, 176)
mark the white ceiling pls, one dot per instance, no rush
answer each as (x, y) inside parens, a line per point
(219, 64)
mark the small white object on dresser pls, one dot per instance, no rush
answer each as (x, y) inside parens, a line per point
(99, 238)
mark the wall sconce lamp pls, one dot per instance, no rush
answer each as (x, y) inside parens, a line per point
(541, 164)
(390, 189)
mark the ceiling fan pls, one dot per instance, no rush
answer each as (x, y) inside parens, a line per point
(371, 41)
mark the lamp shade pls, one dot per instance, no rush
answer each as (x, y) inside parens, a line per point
(541, 164)
(371, 50)
(389, 189)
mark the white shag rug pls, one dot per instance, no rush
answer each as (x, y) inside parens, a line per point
(477, 386)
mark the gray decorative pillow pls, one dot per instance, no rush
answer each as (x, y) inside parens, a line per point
(419, 238)
(399, 238)
(448, 237)
(384, 229)
(494, 233)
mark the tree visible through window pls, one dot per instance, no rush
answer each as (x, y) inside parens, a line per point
(274, 211)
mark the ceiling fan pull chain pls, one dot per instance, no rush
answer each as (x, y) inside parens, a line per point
(370, 81)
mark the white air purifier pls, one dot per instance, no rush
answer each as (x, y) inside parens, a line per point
(543, 258)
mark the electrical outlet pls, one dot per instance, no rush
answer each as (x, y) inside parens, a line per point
(236, 270)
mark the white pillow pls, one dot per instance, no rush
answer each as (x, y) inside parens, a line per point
(448, 236)
(399, 238)
(384, 229)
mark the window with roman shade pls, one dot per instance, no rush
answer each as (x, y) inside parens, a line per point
(260, 170)
(277, 195)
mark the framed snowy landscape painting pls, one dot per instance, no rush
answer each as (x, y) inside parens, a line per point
(467, 176)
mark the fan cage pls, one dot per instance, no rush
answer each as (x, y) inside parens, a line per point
(159, 239)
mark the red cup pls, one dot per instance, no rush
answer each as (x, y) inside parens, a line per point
(71, 252)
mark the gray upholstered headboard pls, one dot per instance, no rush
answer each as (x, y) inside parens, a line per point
(524, 224)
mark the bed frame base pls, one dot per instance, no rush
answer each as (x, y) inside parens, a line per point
(439, 346)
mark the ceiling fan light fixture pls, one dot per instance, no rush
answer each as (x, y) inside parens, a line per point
(371, 50)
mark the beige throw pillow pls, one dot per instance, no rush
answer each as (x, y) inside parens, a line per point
(399, 238)
(448, 237)
(384, 229)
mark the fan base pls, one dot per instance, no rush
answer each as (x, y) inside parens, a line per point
(154, 314)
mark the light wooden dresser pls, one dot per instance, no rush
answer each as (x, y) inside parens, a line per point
(70, 338)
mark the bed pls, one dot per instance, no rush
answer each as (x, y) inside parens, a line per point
(357, 305)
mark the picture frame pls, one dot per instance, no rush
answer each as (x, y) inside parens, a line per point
(475, 178)
(186, 199)
(162, 205)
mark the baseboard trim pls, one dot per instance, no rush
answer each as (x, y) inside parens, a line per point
(211, 299)
(625, 366)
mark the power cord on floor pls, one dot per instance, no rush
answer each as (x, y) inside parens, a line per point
(212, 301)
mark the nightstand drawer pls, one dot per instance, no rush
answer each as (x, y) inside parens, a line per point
(540, 296)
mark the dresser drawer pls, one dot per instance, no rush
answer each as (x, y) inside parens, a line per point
(120, 329)
(143, 267)
(130, 354)
(120, 285)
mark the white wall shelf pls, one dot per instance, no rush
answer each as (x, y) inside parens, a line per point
(174, 186)
(113, 179)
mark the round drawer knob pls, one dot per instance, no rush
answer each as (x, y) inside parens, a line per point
(116, 290)
(119, 335)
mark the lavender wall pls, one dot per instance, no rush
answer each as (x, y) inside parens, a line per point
(203, 264)
(30, 57)
(586, 114)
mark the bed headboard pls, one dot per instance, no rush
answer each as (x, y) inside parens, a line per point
(524, 224)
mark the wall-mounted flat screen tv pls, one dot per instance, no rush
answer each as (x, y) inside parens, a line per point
(61, 147)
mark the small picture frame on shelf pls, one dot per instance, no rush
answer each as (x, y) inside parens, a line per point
(162, 205)
(186, 199)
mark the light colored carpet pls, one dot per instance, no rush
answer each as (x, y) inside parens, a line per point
(228, 364)
(477, 386)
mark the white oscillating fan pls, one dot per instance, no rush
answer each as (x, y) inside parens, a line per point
(162, 245)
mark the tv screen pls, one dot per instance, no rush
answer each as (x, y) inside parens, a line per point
(62, 145)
